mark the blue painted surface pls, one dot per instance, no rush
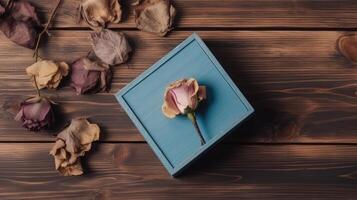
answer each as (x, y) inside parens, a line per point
(174, 140)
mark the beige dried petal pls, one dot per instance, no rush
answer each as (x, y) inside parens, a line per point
(155, 16)
(97, 13)
(47, 73)
(72, 143)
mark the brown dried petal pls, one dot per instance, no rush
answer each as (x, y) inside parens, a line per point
(155, 16)
(47, 73)
(111, 47)
(72, 143)
(20, 23)
(87, 75)
(97, 13)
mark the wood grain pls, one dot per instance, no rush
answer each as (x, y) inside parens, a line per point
(301, 88)
(131, 171)
(232, 13)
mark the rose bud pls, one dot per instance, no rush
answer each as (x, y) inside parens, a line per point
(111, 47)
(89, 76)
(154, 16)
(19, 23)
(183, 97)
(36, 113)
(97, 13)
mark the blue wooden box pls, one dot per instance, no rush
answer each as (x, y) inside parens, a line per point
(174, 141)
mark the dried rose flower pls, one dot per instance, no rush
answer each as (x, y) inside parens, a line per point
(71, 144)
(347, 46)
(47, 73)
(97, 13)
(183, 97)
(154, 16)
(19, 23)
(36, 113)
(87, 75)
(111, 47)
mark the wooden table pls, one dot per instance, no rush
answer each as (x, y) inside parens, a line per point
(301, 143)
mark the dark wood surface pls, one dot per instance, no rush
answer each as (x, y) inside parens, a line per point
(300, 144)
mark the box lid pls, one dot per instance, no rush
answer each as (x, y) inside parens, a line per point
(174, 141)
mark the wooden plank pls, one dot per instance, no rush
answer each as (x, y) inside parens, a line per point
(302, 89)
(131, 171)
(233, 13)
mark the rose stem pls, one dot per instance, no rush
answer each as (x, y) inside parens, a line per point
(38, 90)
(35, 54)
(192, 117)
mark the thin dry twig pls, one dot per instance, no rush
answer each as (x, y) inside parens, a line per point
(37, 89)
(45, 30)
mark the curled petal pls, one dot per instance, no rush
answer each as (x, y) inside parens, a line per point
(87, 75)
(97, 13)
(20, 23)
(111, 47)
(47, 73)
(72, 143)
(154, 16)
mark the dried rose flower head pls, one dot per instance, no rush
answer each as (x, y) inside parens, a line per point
(347, 46)
(111, 47)
(97, 13)
(47, 73)
(183, 97)
(72, 143)
(89, 76)
(36, 113)
(154, 16)
(19, 23)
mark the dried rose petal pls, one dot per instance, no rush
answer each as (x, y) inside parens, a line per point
(87, 75)
(20, 23)
(36, 114)
(111, 47)
(155, 16)
(24, 11)
(72, 143)
(47, 73)
(97, 13)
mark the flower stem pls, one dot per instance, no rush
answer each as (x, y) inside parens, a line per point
(192, 117)
(37, 89)
(35, 54)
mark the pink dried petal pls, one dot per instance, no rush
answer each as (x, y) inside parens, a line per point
(87, 75)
